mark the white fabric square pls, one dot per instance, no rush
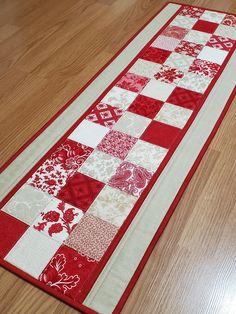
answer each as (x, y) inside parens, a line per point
(173, 115)
(197, 37)
(100, 166)
(158, 90)
(195, 82)
(213, 55)
(26, 204)
(32, 252)
(211, 16)
(132, 124)
(179, 61)
(226, 31)
(119, 97)
(183, 21)
(112, 205)
(166, 43)
(89, 133)
(145, 68)
(146, 155)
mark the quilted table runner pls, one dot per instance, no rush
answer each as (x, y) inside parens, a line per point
(84, 201)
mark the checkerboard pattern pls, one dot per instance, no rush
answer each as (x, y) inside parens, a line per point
(58, 226)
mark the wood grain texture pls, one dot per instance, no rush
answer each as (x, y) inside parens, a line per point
(49, 49)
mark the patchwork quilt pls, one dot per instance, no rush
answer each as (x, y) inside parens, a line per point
(70, 211)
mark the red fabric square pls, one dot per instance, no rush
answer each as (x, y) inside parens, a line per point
(160, 134)
(117, 144)
(104, 114)
(155, 55)
(11, 230)
(184, 98)
(80, 191)
(145, 106)
(133, 82)
(71, 155)
(220, 42)
(68, 272)
(131, 178)
(205, 26)
(175, 32)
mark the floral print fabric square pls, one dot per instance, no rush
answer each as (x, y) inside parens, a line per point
(68, 271)
(71, 155)
(50, 177)
(58, 220)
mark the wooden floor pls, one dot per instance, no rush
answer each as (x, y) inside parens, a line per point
(49, 49)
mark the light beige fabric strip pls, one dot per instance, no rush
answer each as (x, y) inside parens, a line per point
(112, 282)
(25, 161)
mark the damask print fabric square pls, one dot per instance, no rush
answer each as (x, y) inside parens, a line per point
(79, 218)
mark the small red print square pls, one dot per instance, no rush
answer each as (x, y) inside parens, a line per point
(205, 26)
(117, 144)
(80, 191)
(160, 134)
(11, 230)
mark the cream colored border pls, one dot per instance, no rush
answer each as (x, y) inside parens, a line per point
(21, 165)
(112, 282)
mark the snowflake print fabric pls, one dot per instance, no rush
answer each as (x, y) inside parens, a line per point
(169, 75)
